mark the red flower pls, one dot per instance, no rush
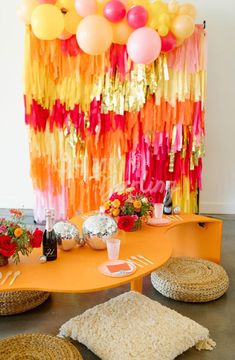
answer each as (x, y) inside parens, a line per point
(36, 239)
(7, 248)
(126, 223)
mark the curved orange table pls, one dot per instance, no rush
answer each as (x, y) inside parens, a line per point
(77, 271)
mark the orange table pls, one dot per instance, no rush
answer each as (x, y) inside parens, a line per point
(77, 271)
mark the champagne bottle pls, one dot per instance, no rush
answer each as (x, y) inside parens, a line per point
(49, 238)
(167, 202)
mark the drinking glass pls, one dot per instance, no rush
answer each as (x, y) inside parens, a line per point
(113, 247)
(158, 210)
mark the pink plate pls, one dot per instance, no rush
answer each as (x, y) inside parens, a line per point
(117, 268)
(158, 222)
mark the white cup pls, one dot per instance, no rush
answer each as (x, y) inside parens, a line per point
(113, 247)
(158, 210)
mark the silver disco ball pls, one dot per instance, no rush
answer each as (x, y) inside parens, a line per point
(98, 228)
(67, 235)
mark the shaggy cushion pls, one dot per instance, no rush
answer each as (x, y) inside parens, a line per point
(133, 327)
(190, 280)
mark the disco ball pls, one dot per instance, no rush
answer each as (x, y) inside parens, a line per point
(98, 228)
(67, 235)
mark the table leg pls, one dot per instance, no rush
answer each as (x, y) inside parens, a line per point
(137, 285)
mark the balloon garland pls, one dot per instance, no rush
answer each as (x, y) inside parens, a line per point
(99, 23)
(99, 123)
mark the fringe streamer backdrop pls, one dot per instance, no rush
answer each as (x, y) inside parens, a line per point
(100, 123)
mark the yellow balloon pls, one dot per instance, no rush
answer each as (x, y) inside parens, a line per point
(156, 9)
(188, 9)
(164, 19)
(58, 3)
(94, 34)
(173, 7)
(153, 23)
(25, 10)
(121, 33)
(47, 22)
(144, 3)
(163, 30)
(67, 4)
(71, 21)
(183, 26)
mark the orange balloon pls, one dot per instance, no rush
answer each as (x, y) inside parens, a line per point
(188, 9)
(121, 33)
(183, 26)
(71, 21)
(94, 34)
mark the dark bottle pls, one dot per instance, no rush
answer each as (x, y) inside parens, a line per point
(167, 202)
(49, 238)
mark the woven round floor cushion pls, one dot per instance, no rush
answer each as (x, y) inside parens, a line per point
(37, 347)
(17, 302)
(190, 280)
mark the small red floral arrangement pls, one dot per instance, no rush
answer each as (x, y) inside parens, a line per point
(15, 238)
(130, 207)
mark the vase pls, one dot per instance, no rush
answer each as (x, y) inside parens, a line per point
(3, 260)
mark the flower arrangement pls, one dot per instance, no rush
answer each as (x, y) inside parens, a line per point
(130, 207)
(16, 239)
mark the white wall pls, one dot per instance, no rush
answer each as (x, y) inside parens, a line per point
(218, 195)
(15, 183)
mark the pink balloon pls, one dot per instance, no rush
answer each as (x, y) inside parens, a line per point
(144, 45)
(47, 1)
(86, 7)
(137, 17)
(114, 11)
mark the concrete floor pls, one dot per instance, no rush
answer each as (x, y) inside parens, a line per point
(217, 316)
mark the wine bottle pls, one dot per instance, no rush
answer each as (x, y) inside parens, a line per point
(49, 238)
(167, 202)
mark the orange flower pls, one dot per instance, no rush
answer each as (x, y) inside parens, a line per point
(116, 203)
(137, 204)
(18, 232)
(16, 212)
(116, 212)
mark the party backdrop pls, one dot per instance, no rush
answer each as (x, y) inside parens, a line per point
(100, 123)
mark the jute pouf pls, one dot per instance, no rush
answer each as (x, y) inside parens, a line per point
(190, 280)
(17, 302)
(37, 347)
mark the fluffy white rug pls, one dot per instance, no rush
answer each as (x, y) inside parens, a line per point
(133, 327)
